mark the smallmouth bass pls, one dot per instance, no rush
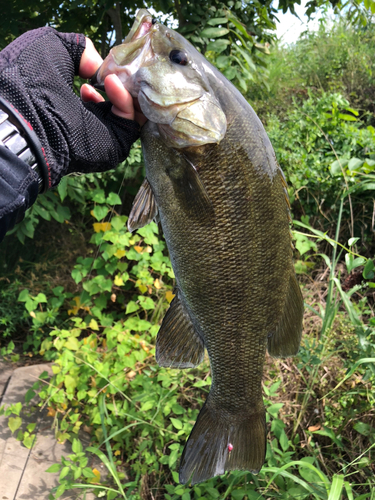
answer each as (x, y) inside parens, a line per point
(213, 182)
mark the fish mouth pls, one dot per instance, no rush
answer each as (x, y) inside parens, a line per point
(123, 59)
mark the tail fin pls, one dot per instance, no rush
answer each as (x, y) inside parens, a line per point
(218, 444)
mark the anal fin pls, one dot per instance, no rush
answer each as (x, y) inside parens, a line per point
(285, 340)
(144, 208)
(178, 345)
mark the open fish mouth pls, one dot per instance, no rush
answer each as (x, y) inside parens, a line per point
(123, 60)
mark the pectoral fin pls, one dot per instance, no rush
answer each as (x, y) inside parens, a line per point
(144, 208)
(190, 191)
(285, 340)
(178, 345)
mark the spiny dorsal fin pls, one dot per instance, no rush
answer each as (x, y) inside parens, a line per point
(285, 340)
(144, 208)
(178, 345)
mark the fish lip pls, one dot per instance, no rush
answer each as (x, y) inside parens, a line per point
(141, 28)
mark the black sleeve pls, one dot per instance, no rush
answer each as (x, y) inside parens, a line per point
(18, 189)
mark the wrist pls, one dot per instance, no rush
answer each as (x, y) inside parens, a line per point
(18, 136)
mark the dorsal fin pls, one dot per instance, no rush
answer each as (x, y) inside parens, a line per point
(178, 345)
(285, 340)
(144, 208)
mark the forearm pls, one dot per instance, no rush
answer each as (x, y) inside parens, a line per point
(18, 189)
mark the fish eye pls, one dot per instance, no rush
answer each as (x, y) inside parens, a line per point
(178, 57)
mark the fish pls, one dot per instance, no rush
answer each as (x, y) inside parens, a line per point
(214, 185)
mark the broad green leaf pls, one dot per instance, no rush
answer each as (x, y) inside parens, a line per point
(218, 45)
(54, 468)
(214, 32)
(131, 307)
(72, 343)
(348, 118)
(284, 443)
(352, 241)
(62, 188)
(14, 423)
(60, 490)
(77, 446)
(99, 212)
(338, 166)
(354, 164)
(113, 199)
(217, 20)
(177, 423)
(64, 472)
(364, 429)
(368, 271)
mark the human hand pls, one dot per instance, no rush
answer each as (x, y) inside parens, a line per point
(36, 78)
(123, 104)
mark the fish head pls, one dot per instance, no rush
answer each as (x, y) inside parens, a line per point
(169, 77)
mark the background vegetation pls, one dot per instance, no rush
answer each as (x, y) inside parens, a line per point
(78, 290)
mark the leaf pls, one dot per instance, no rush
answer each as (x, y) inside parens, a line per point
(274, 409)
(169, 296)
(94, 325)
(29, 395)
(119, 253)
(348, 118)
(70, 382)
(62, 188)
(113, 199)
(217, 20)
(31, 427)
(338, 165)
(118, 281)
(54, 468)
(355, 164)
(368, 271)
(23, 296)
(77, 446)
(72, 344)
(218, 45)
(284, 443)
(131, 307)
(336, 488)
(99, 212)
(177, 423)
(352, 241)
(14, 423)
(214, 32)
(101, 227)
(364, 429)
(314, 428)
(64, 472)
(60, 490)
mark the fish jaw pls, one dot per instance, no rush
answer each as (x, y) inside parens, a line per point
(124, 60)
(177, 98)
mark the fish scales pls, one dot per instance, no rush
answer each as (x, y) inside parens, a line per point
(220, 197)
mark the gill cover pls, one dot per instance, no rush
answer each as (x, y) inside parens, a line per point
(166, 73)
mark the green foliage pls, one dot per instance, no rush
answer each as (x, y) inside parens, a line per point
(99, 324)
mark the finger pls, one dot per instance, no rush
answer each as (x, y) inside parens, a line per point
(120, 98)
(90, 60)
(89, 94)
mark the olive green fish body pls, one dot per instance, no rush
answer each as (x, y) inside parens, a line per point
(213, 181)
